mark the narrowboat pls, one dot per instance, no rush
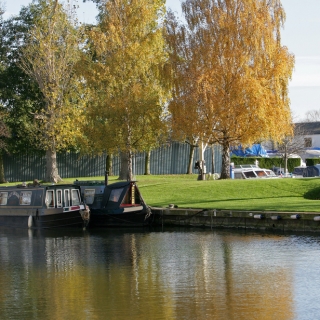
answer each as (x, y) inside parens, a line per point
(118, 204)
(38, 206)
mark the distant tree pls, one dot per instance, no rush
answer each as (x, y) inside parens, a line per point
(49, 57)
(230, 73)
(124, 69)
(312, 116)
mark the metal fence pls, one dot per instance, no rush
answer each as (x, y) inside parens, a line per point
(169, 159)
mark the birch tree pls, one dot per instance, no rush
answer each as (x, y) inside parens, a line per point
(231, 72)
(49, 57)
(125, 67)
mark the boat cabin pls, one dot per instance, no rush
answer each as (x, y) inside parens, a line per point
(57, 196)
(118, 204)
(117, 197)
(42, 206)
(252, 172)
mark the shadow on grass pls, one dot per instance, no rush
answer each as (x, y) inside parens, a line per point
(236, 199)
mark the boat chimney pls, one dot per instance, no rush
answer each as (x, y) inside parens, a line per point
(106, 178)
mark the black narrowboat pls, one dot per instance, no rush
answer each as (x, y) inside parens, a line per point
(118, 204)
(36, 206)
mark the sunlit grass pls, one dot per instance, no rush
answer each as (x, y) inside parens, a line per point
(265, 194)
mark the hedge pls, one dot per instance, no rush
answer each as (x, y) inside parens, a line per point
(312, 162)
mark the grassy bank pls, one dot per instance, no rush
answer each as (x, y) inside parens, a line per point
(294, 195)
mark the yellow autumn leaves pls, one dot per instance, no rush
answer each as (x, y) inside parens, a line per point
(222, 74)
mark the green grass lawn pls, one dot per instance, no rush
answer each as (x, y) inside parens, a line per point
(293, 195)
(287, 194)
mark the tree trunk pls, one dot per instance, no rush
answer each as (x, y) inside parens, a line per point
(52, 174)
(2, 177)
(129, 165)
(191, 155)
(212, 158)
(285, 164)
(126, 166)
(202, 173)
(109, 159)
(147, 163)
(285, 160)
(225, 170)
(123, 166)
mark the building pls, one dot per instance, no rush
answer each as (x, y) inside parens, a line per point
(308, 134)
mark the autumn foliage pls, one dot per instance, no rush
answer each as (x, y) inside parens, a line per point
(231, 72)
(49, 57)
(220, 76)
(125, 71)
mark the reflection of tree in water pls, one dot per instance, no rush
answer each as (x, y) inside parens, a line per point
(253, 288)
(125, 275)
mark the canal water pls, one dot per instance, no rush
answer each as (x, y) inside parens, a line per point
(166, 274)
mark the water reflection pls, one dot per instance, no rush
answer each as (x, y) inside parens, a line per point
(130, 274)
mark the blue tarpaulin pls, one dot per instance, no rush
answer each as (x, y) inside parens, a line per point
(256, 150)
(312, 171)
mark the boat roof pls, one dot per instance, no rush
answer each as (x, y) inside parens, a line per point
(114, 185)
(246, 166)
(32, 186)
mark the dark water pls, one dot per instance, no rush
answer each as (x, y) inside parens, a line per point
(176, 274)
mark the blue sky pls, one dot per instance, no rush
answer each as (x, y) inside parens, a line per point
(301, 34)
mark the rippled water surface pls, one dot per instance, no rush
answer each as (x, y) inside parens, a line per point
(142, 274)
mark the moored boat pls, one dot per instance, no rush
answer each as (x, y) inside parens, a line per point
(252, 172)
(38, 206)
(118, 204)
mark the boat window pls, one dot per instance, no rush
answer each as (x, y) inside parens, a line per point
(25, 198)
(50, 198)
(89, 196)
(249, 174)
(115, 194)
(13, 198)
(38, 197)
(75, 196)
(66, 198)
(260, 173)
(127, 199)
(270, 173)
(59, 198)
(3, 198)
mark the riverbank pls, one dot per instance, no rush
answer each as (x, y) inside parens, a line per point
(277, 205)
(247, 220)
(185, 191)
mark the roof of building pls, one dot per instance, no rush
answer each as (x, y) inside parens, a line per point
(308, 128)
